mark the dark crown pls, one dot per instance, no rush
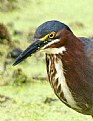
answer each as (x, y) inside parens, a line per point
(48, 27)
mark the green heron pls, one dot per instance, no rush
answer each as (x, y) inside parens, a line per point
(69, 62)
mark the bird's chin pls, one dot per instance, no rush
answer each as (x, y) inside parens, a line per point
(53, 50)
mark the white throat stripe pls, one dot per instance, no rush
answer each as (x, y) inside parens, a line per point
(65, 88)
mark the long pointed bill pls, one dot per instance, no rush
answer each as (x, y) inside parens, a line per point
(35, 46)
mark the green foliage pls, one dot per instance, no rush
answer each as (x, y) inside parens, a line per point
(18, 77)
(12, 0)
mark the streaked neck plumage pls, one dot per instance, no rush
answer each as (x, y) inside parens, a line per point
(67, 78)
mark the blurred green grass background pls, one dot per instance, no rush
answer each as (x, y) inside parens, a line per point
(22, 16)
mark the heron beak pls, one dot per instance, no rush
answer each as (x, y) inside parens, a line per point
(34, 47)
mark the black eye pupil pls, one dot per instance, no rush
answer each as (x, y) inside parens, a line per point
(51, 35)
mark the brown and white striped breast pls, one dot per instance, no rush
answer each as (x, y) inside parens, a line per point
(58, 82)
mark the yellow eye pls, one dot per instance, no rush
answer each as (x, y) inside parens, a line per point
(52, 35)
